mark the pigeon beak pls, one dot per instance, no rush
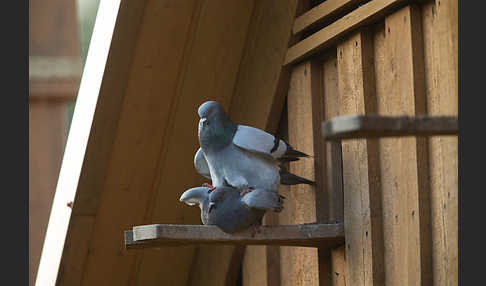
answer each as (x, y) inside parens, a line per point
(211, 206)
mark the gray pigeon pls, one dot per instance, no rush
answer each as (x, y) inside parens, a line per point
(230, 211)
(242, 156)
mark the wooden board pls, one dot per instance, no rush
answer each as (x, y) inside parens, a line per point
(440, 33)
(301, 267)
(362, 204)
(309, 235)
(369, 126)
(406, 211)
(323, 12)
(366, 14)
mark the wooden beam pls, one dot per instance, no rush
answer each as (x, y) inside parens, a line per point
(362, 197)
(372, 126)
(322, 13)
(440, 28)
(309, 235)
(404, 161)
(366, 14)
(301, 199)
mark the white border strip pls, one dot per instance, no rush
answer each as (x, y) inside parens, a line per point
(76, 144)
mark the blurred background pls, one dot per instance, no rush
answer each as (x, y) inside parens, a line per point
(59, 37)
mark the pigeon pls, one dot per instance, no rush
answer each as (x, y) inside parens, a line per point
(230, 211)
(242, 156)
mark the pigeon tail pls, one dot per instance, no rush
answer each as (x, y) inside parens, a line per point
(287, 178)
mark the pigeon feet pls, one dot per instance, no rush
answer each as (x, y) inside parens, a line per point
(255, 228)
(211, 187)
(246, 191)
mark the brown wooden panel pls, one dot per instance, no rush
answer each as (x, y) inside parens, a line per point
(71, 271)
(403, 161)
(440, 52)
(362, 205)
(339, 266)
(210, 70)
(331, 165)
(301, 264)
(366, 14)
(322, 13)
(47, 136)
(151, 76)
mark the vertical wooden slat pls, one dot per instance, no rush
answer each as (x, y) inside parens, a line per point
(440, 53)
(403, 168)
(301, 264)
(331, 168)
(361, 195)
(333, 178)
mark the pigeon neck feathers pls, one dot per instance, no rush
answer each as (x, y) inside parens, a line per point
(216, 130)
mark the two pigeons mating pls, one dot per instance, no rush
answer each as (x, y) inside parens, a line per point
(245, 166)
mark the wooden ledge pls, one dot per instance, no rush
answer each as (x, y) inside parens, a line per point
(368, 126)
(309, 235)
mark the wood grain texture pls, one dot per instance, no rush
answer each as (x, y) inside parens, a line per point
(404, 169)
(362, 205)
(322, 13)
(258, 96)
(440, 28)
(303, 268)
(366, 14)
(309, 235)
(339, 266)
(332, 154)
(210, 70)
(369, 126)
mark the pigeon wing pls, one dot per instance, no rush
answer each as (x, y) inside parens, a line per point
(263, 200)
(259, 141)
(201, 164)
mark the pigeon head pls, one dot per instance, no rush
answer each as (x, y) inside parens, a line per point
(216, 129)
(199, 196)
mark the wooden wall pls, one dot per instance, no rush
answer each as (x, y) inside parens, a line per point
(397, 196)
(54, 74)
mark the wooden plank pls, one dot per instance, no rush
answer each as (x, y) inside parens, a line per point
(404, 170)
(332, 154)
(366, 126)
(330, 159)
(324, 196)
(366, 14)
(308, 235)
(362, 205)
(323, 12)
(301, 263)
(71, 271)
(441, 54)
